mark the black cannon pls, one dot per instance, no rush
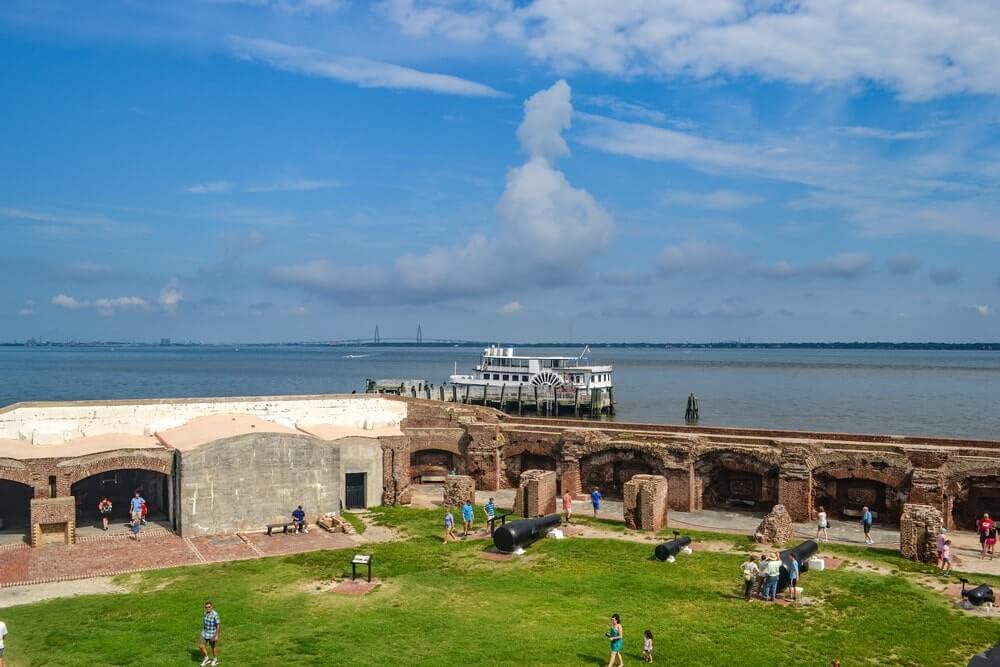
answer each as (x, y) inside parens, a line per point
(988, 658)
(510, 536)
(802, 553)
(672, 548)
(979, 595)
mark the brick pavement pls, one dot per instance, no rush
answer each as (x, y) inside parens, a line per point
(113, 554)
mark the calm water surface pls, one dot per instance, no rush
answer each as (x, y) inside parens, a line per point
(946, 393)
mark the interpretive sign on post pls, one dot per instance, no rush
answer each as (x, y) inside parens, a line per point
(361, 559)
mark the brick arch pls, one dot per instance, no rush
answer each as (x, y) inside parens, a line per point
(843, 483)
(894, 472)
(613, 463)
(736, 478)
(14, 471)
(526, 454)
(82, 469)
(969, 492)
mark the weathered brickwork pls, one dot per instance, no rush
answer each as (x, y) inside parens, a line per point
(53, 521)
(458, 489)
(536, 493)
(919, 526)
(776, 527)
(645, 502)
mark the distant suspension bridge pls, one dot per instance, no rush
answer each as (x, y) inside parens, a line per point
(378, 339)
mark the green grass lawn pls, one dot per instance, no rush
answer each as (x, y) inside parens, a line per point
(445, 605)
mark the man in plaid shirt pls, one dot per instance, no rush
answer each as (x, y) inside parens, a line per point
(210, 635)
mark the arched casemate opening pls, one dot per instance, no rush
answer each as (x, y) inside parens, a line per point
(736, 480)
(433, 465)
(119, 486)
(611, 468)
(15, 510)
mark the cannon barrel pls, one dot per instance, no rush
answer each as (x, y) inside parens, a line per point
(802, 553)
(672, 548)
(509, 537)
(978, 595)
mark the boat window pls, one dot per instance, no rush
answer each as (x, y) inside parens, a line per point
(524, 378)
(506, 377)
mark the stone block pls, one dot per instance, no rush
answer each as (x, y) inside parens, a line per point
(53, 521)
(776, 527)
(536, 493)
(646, 499)
(458, 489)
(919, 526)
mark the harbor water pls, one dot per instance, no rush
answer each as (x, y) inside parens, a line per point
(940, 393)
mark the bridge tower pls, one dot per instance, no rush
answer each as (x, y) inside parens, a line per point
(377, 339)
(420, 336)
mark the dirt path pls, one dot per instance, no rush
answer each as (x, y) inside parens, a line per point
(16, 595)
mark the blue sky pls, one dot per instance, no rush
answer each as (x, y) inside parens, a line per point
(265, 170)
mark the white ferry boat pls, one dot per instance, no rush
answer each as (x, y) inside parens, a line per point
(499, 366)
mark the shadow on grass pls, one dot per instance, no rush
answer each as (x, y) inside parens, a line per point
(196, 655)
(590, 659)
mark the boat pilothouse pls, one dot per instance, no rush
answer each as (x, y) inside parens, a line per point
(499, 366)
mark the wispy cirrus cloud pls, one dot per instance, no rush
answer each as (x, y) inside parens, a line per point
(355, 70)
(883, 134)
(278, 185)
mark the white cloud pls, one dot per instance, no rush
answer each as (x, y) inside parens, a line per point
(295, 185)
(984, 310)
(351, 69)
(109, 307)
(303, 7)
(885, 135)
(847, 265)
(69, 303)
(903, 264)
(212, 187)
(548, 232)
(719, 200)
(697, 256)
(920, 48)
(510, 308)
(28, 309)
(171, 296)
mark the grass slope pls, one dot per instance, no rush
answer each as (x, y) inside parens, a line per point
(445, 605)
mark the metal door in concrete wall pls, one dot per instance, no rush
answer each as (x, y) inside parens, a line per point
(355, 486)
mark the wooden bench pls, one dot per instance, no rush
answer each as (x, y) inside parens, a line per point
(283, 526)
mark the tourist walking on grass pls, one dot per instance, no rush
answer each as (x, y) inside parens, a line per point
(467, 518)
(210, 630)
(821, 525)
(491, 512)
(104, 507)
(866, 524)
(617, 636)
(773, 571)
(793, 576)
(567, 501)
(984, 526)
(449, 527)
(595, 500)
(3, 633)
(647, 645)
(750, 573)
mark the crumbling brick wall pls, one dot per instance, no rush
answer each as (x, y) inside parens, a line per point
(53, 513)
(919, 526)
(458, 489)
(776, 527)
(646, 499)
(536, 493)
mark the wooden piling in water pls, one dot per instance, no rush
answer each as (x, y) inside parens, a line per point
(576, 401)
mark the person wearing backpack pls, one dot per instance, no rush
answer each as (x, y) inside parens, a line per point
(750, 572)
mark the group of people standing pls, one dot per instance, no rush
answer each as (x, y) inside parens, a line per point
(763, 575)
(138, 509)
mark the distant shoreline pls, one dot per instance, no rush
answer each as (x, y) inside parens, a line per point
(985, 347)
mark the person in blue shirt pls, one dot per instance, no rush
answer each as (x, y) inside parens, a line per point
(467, 518)
(793, 575)
(866, 523)
(595, 499)
(299, 520)
(491, 509)
(135, 506)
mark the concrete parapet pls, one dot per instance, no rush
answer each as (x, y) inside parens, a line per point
(646, 499)
(536, 493)
(919, 526)
(458, 489)
(776, 527)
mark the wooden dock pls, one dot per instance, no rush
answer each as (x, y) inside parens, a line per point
(516, 399)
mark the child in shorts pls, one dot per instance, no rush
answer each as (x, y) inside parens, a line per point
(946, 557)
(647, 646)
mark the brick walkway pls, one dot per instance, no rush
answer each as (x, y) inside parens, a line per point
(117, 554)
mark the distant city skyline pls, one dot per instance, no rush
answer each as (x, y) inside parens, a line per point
(304, 170)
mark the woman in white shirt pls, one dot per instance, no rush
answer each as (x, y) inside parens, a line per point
(821, 525)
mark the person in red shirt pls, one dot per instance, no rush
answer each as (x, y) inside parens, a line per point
(986, 528)
(145, 511)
